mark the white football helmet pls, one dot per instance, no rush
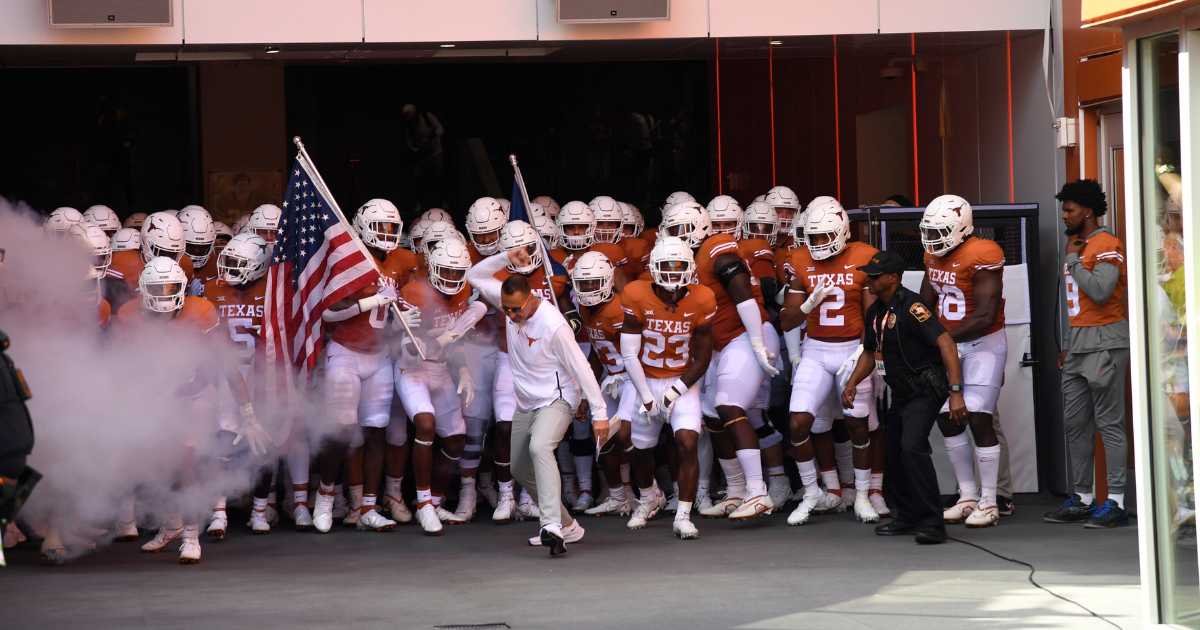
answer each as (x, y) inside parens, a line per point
(95, 242)
(521, 234)
(485, 219)
(678, 196)
(576, 213)
(827, 230)
(135, 220)
(199, 233)
(245, 259)
(93, 285)
(609, 219)
(686, 221)
(798, 237)
(760, 221)
(438, 232)
(239, 225)
(126, 239)
(162, 236)
(536, 210)
(506, 204)
(631, 219)
(551, 206)
(437, 214)
(592, 279)
(416, 233)
(264, 221)
(448, 264)
(59, 223)
(379, 225)
(786, 205)
(725, 209)
(104, 218)
(162, 282)
(947, 221)
(548, 229)
(672, 262)
(224, 233)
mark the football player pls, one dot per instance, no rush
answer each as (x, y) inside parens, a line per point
(637, 249)
(135, 221)
(161, 236)
(485, 219)
(264, 222)
(549, 204)
(577, 235)
(104, 218)
(126, 239)
(666, 346)
(964, 277)
(59, 223)
(224, 233)
(786, 205)
(199, 236)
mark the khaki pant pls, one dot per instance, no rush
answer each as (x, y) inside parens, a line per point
(535, 436)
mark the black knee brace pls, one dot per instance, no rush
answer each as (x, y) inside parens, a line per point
(581, 448)
(840, 432)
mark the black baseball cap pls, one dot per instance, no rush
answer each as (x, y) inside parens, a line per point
(883, 262)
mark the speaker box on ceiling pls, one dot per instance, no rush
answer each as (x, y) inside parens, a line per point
(110, 13)
(613, 10)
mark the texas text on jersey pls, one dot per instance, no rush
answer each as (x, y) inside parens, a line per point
(438, 310)
(667, 328)
(241, 311)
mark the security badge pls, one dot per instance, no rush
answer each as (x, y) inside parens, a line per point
(891, 320)
(919, 311)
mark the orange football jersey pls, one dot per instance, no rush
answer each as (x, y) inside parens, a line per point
(126, 267)
(603, 326)
(537, 284)
(667, 330)
(438, 311)
(783, 265)
(364, 332)
(760, 257)
(1083, 310)
(560, 255)
(650, 235)
(840, 314)
(476, 257)
(728, 324)
(104, 314)
(241, 312)
(953, 278)
(207, 273)
(614, 253)
(197, 315)
(637, 256)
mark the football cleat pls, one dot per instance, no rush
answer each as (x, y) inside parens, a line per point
(302, 518)
(684, 529)
(570, 492)
(863, 510)
(830, 503)
(217, 524)
(585, 501)
(271, 515)
(780, 490)
(323, 513)
(489, 494)
(505, 508)
(804, 511)
(753, 507)
(647, 508)
(397, 509)
(340, 509)
(428, 518)
(879, 504)
(722, 508)
(672, 504)
(53, 548)
(258, 522)
(465, 510)
(849, 495)
(984, 516)
(611, 506)
(446, 516)
(527, 508)
(351, 518)
(372, 520)
(572, 534)
(162, 539)
(189, 551)
(703, 501)
(960, 511)
(126, 532)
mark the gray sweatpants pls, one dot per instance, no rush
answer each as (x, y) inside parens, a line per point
(535, 436)
(1093, 388)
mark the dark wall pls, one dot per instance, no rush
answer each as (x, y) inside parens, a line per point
(58, 146)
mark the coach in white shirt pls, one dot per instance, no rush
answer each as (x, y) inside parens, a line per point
(548, 372)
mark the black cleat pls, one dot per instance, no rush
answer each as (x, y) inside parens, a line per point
(1108, 515)
(1071, 511)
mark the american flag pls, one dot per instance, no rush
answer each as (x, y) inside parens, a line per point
(315, 263)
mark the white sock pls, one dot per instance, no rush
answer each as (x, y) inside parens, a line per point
(192, 531)
(1119, 498)
(467, 489)
(300, 497)
(220, 503)
(436, 500)
(648, 493)
(862, 480)
(832, 482)
(525, 496)
(424, 496)
(625, 474)
(260, 505)
(356, 495)
(583, 471)
(368, 502)
(776, 471)
(1086, 497)
(338, 492)
(808, 477)
(685, 509)
(566, 462)
(128, 509)
(393, 486)
(844, 455)
(506, 488)
(330, 490)
(988, 458)
(735, 478)
(958, 447)
(751, 460)
(877, 481)
(617, 493)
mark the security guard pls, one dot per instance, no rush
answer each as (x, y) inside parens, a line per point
(16, 439)
(921, 367)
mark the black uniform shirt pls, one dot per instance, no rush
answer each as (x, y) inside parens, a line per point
(907, 324)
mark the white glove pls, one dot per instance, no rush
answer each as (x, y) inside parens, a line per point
(384, 297)
(817, 296)
(466, 386)
(781, 296)
(847, 369)
(612, 385)
(766, 358)
(651, 408)
(412, 317)
(677, 389)
(250, 430)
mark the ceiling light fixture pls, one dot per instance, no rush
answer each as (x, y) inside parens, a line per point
(776, 42)
(447, 45)
(270, 50)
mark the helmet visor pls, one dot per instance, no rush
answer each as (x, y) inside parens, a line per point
(163, 289)
(156, 251)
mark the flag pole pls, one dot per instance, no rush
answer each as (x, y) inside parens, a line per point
(324, 190)
(546, 267)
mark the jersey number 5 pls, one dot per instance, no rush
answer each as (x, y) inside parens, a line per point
(657, 344)
(240, 331)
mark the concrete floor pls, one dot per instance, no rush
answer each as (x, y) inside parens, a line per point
(832, 573)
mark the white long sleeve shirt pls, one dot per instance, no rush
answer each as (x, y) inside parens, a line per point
(546, 361)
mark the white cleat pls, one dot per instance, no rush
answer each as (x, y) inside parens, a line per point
(189, 551)
(527, 509)
(804, 511)
(504, 509)
(54, 550)
(302, 518)
(340, 509)
(780, 491)
(863, 510)
(830, 504)
(127, 532)
(611, 506)
(984, 516)
(351, 518)
(585, 501)
(960, 511)
(849, 496)
(753, 507)
(428, 518)
(217, 524)
(372, 520)
(272, 515)
(162, 539)
(465, 510)
(703, 501)
(684, 529)
(323, 513)
(570, 493)
(488, 493)
(258, 522)
(446, 516)
(397, 509)
(672, 504)
(647, 509)
(879, 504)
(722, 508)
(572, 534)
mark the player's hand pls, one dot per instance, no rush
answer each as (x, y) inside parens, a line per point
(766, 358)
(1075, 246)
(466, 386)
(818, 295)
(847, 370)
(612, 385)
(1062, 358)
(519, 257)
(388, 293)
(412, 317)
(795, 359)
(256, 437)
(958, 407)
(677, 389)
(848, 395)
(650, 407)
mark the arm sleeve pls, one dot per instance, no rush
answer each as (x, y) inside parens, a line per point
(631, 345)
(342, 315)
(791, 339)
(1098, 283)
(571, 358)
(748, 312)
(482, 277)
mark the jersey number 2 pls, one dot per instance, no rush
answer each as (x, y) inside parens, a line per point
(832, 304)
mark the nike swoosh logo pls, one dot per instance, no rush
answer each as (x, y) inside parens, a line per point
(849, 266)
(955, 264)
(688, 314)
(258, 298)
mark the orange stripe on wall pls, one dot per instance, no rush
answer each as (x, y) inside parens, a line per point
(771, 72)
(837, 127)
(720, 167)
(916, 156)
(1012, 197)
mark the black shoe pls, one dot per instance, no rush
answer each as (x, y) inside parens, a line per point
(1109, 515)
(1071, 511)
(896, 528)
(1006, 505)
(553, 541)
(931, 535)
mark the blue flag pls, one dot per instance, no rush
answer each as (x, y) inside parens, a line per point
(518, 212)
